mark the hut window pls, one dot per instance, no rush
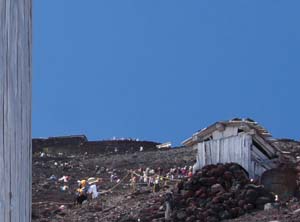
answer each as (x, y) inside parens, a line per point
(240, 130)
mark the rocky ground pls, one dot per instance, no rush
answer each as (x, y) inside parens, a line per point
(115, 206)
(221, 192)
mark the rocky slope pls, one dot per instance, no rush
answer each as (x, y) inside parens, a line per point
(121, 203)
(221, 192)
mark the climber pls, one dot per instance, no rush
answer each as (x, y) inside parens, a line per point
(133, 181)
(156, 186)
(92, 190)
(169, 205)
(81, 192)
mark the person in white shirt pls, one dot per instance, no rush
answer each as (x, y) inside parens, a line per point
(64, 178)
(92, 190)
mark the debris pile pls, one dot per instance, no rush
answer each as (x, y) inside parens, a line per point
(216, 192)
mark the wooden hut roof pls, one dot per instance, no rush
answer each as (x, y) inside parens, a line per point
(242, 123)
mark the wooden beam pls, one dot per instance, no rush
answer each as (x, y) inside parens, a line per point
(267, 147)
(15, 110)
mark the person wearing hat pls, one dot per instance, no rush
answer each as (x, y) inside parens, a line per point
(82, 183)
(92, 190)
(81, 192)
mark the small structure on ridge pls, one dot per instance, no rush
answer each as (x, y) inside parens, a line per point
(242, 141)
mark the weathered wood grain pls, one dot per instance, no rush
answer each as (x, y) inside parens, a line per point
(15, 110)
(231, 149)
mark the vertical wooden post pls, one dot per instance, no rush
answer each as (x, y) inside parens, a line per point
(15, 110)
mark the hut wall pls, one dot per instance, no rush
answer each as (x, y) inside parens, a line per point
(231, 149)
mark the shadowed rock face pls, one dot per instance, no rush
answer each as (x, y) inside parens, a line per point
(281, 182)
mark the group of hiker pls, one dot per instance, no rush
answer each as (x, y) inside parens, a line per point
(156, 178)
(87, 189)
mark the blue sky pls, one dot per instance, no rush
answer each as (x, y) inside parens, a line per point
(161, 70)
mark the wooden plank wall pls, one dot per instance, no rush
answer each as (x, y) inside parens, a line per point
(15, 110)
(232, 149)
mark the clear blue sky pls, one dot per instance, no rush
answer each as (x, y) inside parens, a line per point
(161, 70)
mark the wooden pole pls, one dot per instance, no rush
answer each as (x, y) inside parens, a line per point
(15, 110)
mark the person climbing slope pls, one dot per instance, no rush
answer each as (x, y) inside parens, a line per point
(81, 192)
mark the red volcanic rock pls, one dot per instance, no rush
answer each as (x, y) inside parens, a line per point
(218, 192)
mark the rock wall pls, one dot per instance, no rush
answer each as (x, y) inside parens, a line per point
(80, 144)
